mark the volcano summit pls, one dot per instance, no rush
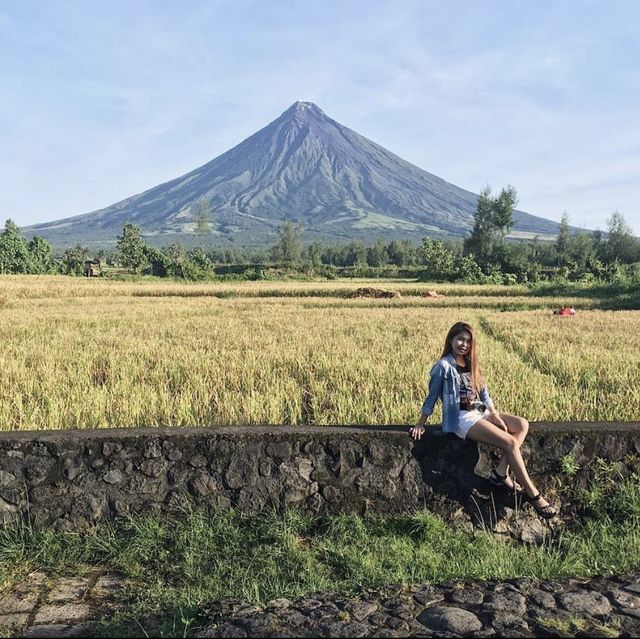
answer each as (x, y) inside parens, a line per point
(304, 167)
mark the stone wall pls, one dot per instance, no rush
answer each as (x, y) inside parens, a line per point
(73, 479)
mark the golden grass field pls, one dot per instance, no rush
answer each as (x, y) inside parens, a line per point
(78, 353)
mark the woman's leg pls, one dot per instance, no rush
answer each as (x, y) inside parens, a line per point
(487, 433)
(518, 427)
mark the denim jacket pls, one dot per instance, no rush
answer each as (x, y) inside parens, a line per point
(445, 384)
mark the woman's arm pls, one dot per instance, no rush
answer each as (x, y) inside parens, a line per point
(436, 380)
(435, 390)
(494, 415)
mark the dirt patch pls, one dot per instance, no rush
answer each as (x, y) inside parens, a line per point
(375, 293)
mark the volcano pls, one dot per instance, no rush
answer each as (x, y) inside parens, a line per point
(303, 167)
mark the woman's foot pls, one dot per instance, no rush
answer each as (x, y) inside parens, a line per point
(541, 506)
(498, 479)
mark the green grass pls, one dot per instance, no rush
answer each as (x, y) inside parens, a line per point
(174, 568)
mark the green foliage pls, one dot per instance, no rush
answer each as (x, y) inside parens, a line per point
(377, 254)
(73, 260)
(288, 248)
(41, 256)
(202, 215)
(492, 221)
(562, 243)
(437, 258)
(621, 245)
(159, 262)
(569, 465)
(131, 247)
(468, 270)
(14, 251)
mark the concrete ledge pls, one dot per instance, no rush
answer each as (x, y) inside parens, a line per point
(77, 478)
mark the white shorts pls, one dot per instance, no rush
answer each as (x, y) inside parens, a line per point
(467, 419)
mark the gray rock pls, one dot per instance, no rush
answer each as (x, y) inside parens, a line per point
(331, 493)
(198, 461)
(542, 599)
(625, 599)
(11, 495)
(279, 449)
(154, 449)
(534, 532)
(507, 600)
(36, 470)
(241, 472)
(6, 479)
(72, 467)
(585, 602)
(171, 451)
(115, 476)
(69, 589)
(427, 596)
(504, 621)
(204, 484)
(58, 630)
(65, 613)
(467, 596)
(223, 630)
(360, 610)
(111, 448)
(153, 467)
(450, 619)
(398, 624)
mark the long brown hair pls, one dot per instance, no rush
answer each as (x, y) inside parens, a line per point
(477, 380)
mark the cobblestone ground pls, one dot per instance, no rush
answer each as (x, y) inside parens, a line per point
(67, 607)
(600, 607)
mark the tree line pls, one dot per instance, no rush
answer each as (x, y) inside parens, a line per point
(486, 255)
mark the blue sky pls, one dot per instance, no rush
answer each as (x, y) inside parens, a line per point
(102, 100)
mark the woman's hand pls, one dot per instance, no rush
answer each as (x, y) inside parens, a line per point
(417, 432)
(495, 419)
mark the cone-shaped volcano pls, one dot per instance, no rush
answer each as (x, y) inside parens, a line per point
(304, 167)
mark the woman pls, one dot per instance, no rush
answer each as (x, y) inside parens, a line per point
(468, 411)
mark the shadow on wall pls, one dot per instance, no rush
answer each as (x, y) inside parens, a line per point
(455, 473)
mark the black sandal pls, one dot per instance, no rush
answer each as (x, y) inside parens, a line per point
(501, 480)
(546, 512)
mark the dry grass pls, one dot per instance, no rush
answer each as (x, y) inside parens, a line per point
(91, 353)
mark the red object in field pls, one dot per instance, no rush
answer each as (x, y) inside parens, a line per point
(565, 311)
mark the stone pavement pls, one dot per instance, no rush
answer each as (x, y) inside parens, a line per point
(524, 607)
(599, 607)
(66, 607)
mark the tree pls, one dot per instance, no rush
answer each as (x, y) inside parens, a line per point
(41, 255)
(621, 245)
(73, 259)
(401, 253)
(503, 207)
(315, 250)
(437, 258)
(131, 247)
(288, 248)
(14, 250)
(159, 262)
(203, 217)
(492, 221)
(562, 242)
(377, 254)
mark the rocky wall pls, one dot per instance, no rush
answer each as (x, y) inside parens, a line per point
(77, 478)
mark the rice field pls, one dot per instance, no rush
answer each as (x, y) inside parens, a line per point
(77, 353)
